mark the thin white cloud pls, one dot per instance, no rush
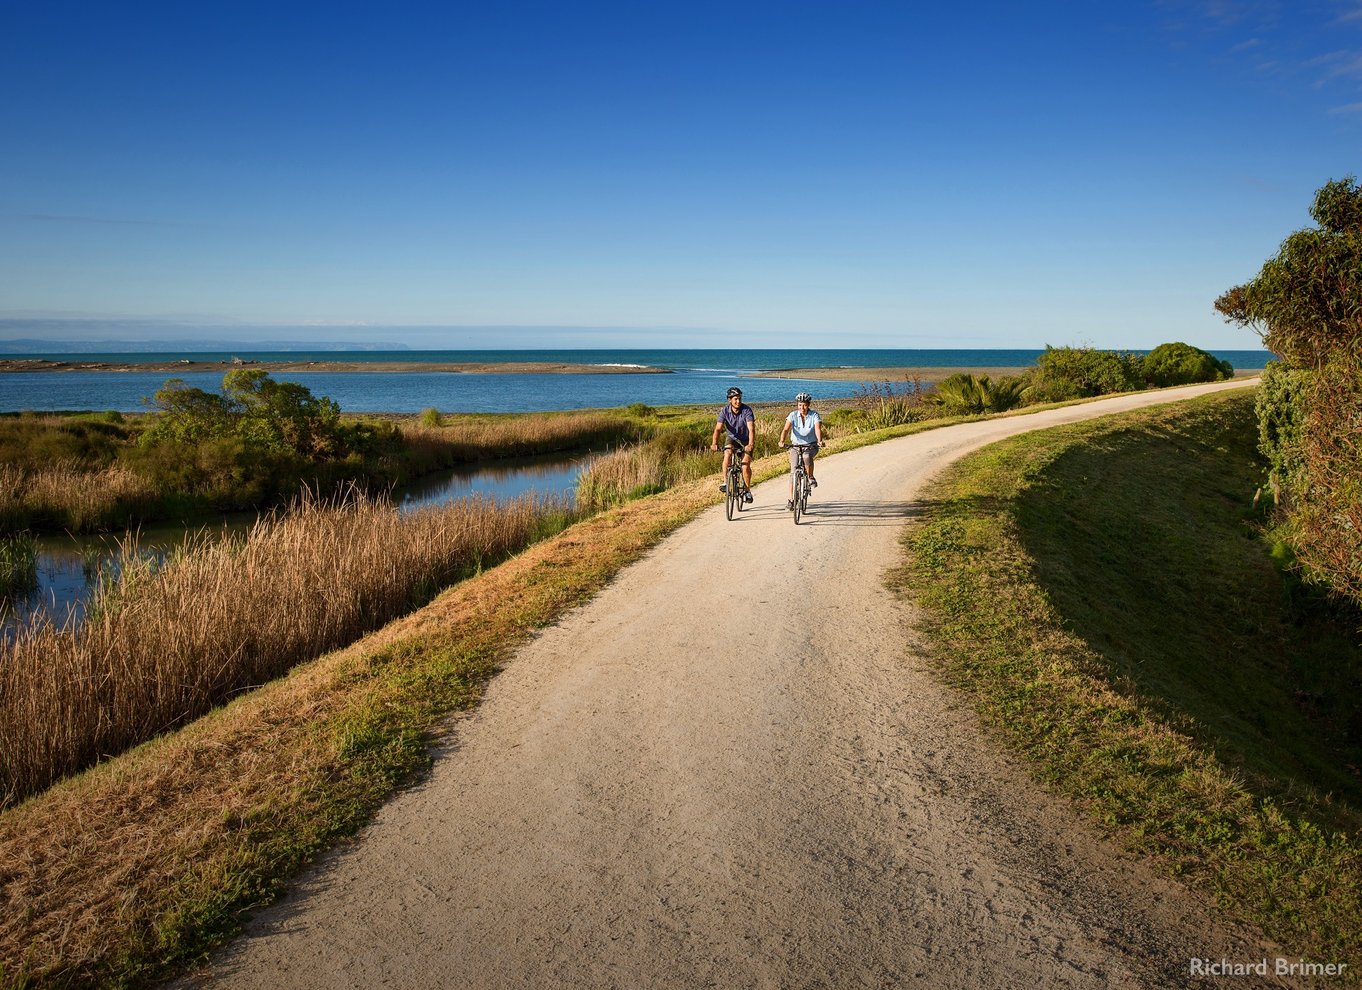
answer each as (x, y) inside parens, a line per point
(1350, 14)
(1348, 109)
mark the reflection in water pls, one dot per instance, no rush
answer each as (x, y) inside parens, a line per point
(69, 567)
(552, 474)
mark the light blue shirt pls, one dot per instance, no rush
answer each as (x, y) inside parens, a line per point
(801, 427)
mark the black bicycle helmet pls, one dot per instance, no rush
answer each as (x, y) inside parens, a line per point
(735, 391)
(803, 397)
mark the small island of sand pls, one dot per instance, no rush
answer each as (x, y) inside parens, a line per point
(461, 367)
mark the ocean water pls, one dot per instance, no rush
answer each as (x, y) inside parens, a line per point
(697, 377)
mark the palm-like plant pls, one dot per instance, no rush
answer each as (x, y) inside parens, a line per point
(965, 394)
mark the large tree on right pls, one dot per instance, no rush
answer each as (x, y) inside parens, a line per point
(1306, 304)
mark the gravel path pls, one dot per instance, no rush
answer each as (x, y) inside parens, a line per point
(729, 770)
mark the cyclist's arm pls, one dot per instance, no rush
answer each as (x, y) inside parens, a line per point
(751, 433)
(714, 440)
(818, 430)
(785, 432)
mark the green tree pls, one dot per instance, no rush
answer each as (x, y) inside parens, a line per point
(1306, 304)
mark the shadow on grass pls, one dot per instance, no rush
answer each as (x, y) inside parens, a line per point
(1149, 547)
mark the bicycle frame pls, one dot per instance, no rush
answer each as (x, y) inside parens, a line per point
(736, 487)
(799, 486)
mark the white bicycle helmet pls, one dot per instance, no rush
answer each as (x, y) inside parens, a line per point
(803, 397)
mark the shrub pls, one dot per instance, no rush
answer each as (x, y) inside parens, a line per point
(882, 404)
(1064, 373)
(1182, 364)
(1305, 302)
(429, 417)
(1279, 408)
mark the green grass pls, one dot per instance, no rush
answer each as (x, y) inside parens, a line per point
(1105, 595)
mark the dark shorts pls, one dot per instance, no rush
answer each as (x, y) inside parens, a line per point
(734, 445)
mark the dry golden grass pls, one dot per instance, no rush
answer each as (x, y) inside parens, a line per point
(162, 644)
(659, 464)
(474, 437)
(74, 496)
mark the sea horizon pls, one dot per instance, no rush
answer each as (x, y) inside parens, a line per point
(687, 358)
(696, 376)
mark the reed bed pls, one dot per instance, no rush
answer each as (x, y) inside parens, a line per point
(69, 495)
(18, 565)
(164, 642)
(459, 439)
(659, 464)
(12, 509)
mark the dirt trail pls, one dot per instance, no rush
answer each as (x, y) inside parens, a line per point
(728, 770)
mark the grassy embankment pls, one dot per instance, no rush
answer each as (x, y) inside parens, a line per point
(1104, 595)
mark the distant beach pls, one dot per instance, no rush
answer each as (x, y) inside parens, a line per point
(391, 367)
(899, 374)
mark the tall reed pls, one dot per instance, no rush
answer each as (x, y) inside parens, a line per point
(164, 642)
(464, 438)
(70, 496)
(18, 564)
(658, 464)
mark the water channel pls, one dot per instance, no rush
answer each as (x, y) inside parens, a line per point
(69, 566)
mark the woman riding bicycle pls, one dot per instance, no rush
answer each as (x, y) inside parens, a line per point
(804, 427)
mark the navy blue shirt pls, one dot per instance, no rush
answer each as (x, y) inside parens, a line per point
(740, 423)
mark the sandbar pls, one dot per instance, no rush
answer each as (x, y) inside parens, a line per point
(457, 367)
(901, 374)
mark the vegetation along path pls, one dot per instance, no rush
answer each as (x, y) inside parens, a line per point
(727, 770)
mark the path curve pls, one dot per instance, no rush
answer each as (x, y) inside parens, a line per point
(647, 799)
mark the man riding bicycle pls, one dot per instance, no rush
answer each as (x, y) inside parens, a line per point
(740, 423)
(804, 427)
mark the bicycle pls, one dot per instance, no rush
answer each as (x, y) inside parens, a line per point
(801, 486)
(735, 490)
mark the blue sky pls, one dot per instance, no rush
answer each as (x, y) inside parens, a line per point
(662, 174)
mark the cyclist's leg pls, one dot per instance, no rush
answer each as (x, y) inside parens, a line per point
(747, 469)
(808, 465)
(728, 459)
